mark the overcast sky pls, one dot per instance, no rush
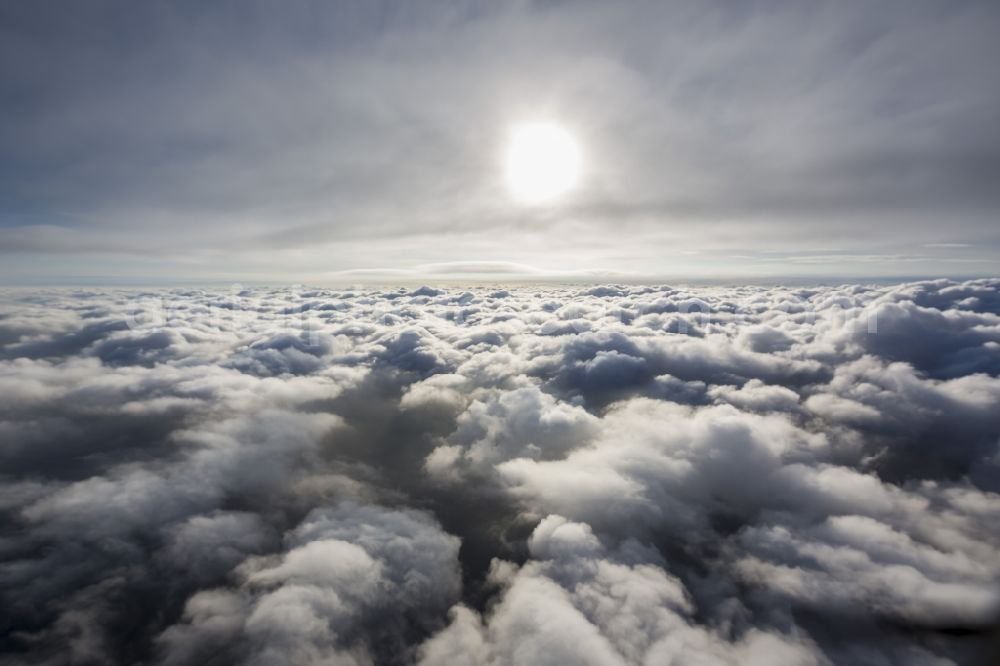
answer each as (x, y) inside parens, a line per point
(321, 141)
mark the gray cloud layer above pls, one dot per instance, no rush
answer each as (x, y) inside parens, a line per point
(612, 475)
(249, 139)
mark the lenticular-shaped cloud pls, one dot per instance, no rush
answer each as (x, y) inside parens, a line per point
(614, 475)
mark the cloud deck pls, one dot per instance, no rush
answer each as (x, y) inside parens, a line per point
(525, 475)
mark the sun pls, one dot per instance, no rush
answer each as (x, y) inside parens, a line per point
(543, 162)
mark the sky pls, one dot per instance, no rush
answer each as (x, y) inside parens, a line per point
(500, 333)
(324, 142)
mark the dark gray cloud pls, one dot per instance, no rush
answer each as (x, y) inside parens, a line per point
(314, 138)
(613, 475)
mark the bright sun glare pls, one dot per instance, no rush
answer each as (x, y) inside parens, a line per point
(543, 162)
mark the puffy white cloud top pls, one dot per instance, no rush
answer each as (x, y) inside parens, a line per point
(527, 475)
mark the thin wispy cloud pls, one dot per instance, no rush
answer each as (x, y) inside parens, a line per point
(320, 137)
